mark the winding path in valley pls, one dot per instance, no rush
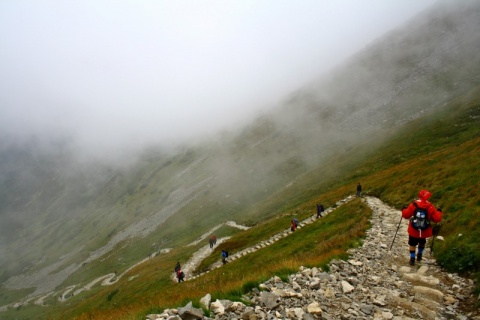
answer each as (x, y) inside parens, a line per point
(111, 278)
(384, 224)
(188, 267)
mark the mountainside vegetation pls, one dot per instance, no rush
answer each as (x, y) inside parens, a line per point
(400, 116)
(448, 169)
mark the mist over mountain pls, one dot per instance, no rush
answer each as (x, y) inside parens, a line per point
(52, 204)
(410, 70)
(118, 78)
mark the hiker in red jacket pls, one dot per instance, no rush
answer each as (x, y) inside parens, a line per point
(421, 213)
(180, 275)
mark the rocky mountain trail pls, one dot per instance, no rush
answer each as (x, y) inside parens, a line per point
(376, 282)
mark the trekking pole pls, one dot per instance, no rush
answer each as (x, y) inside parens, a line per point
(396, 232)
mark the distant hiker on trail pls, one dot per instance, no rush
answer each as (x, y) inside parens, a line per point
(421, 213)
(180, 276)
(212, 240)
(320, 210)
(224, 256)
(359, 190)
(177, 267)
(294, 224)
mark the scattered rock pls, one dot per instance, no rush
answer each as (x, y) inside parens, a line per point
(375, 283)
(217, 307)
(190, 313)
(346, 287)
(205, 301)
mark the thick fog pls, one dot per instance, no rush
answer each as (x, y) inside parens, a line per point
(121, 75)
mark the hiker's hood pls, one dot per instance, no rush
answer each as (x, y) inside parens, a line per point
(424, 195)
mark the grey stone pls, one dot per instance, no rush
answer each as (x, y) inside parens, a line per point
(190, 313)
(367, 309)
(269, 300)
(346, 287)
(432, 294)
(205, 301)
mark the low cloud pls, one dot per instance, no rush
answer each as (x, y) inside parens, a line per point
(120, 77)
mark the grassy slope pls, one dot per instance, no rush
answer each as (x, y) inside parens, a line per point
(447, 163)
(130, 196)
(312, 245)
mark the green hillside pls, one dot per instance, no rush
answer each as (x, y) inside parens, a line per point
(447, 163)
(75, 206)
(448, 167)
(399, 116)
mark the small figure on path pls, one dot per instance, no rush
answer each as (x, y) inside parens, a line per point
(177, 267)
(320, 210)
(293, 224)
(212, 240)
(180, 276)
(359, 190)
(421, 213)
(224, 256)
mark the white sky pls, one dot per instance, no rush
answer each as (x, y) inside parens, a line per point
(121, 73)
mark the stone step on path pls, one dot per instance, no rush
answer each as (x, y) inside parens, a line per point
(374, 283)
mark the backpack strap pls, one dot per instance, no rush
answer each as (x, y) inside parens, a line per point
(426, 209)
(416, 207)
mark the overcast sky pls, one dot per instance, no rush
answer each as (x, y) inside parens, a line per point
(117, 73)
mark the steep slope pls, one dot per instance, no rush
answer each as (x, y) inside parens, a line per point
(238, 177)
(451, 174)
(430, 61)
(373, 283)
(452, 164)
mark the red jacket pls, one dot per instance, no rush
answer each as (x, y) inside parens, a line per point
(433, 216)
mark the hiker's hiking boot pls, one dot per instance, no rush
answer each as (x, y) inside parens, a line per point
(419, 257)
(412, 261)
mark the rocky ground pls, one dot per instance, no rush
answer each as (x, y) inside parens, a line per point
(375, 283)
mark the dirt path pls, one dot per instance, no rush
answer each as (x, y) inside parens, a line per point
(192, 264)
(425, 290)
(211, 231)
(376, 282)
